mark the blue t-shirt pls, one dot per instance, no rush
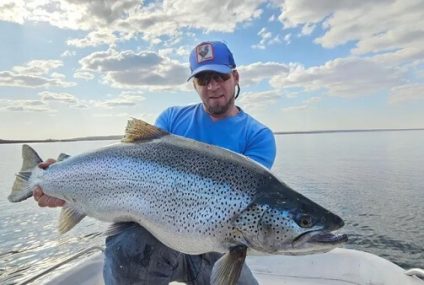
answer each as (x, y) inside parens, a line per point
(240, 133)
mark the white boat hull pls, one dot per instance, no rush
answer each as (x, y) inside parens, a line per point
(338, 267)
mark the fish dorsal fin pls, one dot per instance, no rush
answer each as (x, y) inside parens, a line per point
(138, 130)
(62, 156)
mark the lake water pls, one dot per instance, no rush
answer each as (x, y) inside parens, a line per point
(373, 180)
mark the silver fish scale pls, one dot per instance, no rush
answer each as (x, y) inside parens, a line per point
(186, 194)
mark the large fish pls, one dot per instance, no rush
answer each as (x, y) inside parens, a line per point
(193, 197)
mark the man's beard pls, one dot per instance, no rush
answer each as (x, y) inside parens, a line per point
(220, 109)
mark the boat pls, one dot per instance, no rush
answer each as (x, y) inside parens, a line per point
(340, 266)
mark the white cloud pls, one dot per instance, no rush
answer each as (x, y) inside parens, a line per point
(287, 38)
(406, 93)
(37, 67)
(297, 108)
(94, 38)
(12, 11)
(68, 53)
(58, 97)
(256, 72)
(125, 99)
(129, 69)
(84, 75)
(35, 74)
(374, 26)
(266, 39)
(112, 115)
(258, 100)
(24, 106)
(343, 77)
(130, 18)
(305, 105)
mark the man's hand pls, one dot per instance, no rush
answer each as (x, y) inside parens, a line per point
(38, 194)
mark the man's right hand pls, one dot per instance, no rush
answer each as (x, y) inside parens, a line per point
(38, 194)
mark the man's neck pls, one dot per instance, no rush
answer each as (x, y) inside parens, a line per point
(234, 110)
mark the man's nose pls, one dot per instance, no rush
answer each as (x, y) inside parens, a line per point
(212, 84)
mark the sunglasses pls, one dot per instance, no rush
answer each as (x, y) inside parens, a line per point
(205, 78)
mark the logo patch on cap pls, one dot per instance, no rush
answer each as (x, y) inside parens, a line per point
(204, 52)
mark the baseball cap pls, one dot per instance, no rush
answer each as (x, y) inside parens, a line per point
(211, 56)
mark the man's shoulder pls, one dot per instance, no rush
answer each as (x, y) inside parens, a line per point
(254, 124)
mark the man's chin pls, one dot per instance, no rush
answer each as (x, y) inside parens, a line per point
(217, 110)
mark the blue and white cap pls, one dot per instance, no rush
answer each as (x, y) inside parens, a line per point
(211, 56)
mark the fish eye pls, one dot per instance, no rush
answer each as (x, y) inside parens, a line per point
(305, 221)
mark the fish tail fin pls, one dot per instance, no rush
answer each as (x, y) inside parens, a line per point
(21, 189)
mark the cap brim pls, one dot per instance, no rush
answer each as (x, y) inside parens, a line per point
(211, 67)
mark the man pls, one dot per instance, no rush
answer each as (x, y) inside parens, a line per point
(134, 256)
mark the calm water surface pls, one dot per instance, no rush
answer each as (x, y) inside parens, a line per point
(374, 181)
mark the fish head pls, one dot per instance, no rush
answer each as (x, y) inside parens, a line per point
(282, 221)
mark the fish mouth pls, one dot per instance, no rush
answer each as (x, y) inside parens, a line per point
(320, 237)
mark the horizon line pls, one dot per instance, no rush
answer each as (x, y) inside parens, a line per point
(114, 137)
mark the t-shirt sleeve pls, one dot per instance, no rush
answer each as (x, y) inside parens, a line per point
(164, 120)
(261, 147)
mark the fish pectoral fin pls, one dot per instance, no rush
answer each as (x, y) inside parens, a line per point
(116, 228)
(227, 269)
(138, 130)
(69, 217)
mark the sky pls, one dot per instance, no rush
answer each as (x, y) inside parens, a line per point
(74, 68)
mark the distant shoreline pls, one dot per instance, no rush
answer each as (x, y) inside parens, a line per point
(346, 131)
(97, 138)
(116, 137)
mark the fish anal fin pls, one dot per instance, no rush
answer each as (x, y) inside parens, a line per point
(138, 130)
(227, 269)
(116, 228)
(69, 217)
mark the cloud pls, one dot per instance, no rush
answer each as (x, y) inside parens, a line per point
(131, 18)
(12, 11)
(129, 69)
(370, 27)
(305, 105)
(406, 93)
(68, 53)
(94, 38)
(84, 75)
(259, 100)
(342, 77)
(125, 99)
(35, 74)
(37, 67)
(24, 106)
(58, 97)
(256, 72)
(266, 39)
(297, 108)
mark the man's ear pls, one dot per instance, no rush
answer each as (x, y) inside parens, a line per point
(236, 75)
(194, 84)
